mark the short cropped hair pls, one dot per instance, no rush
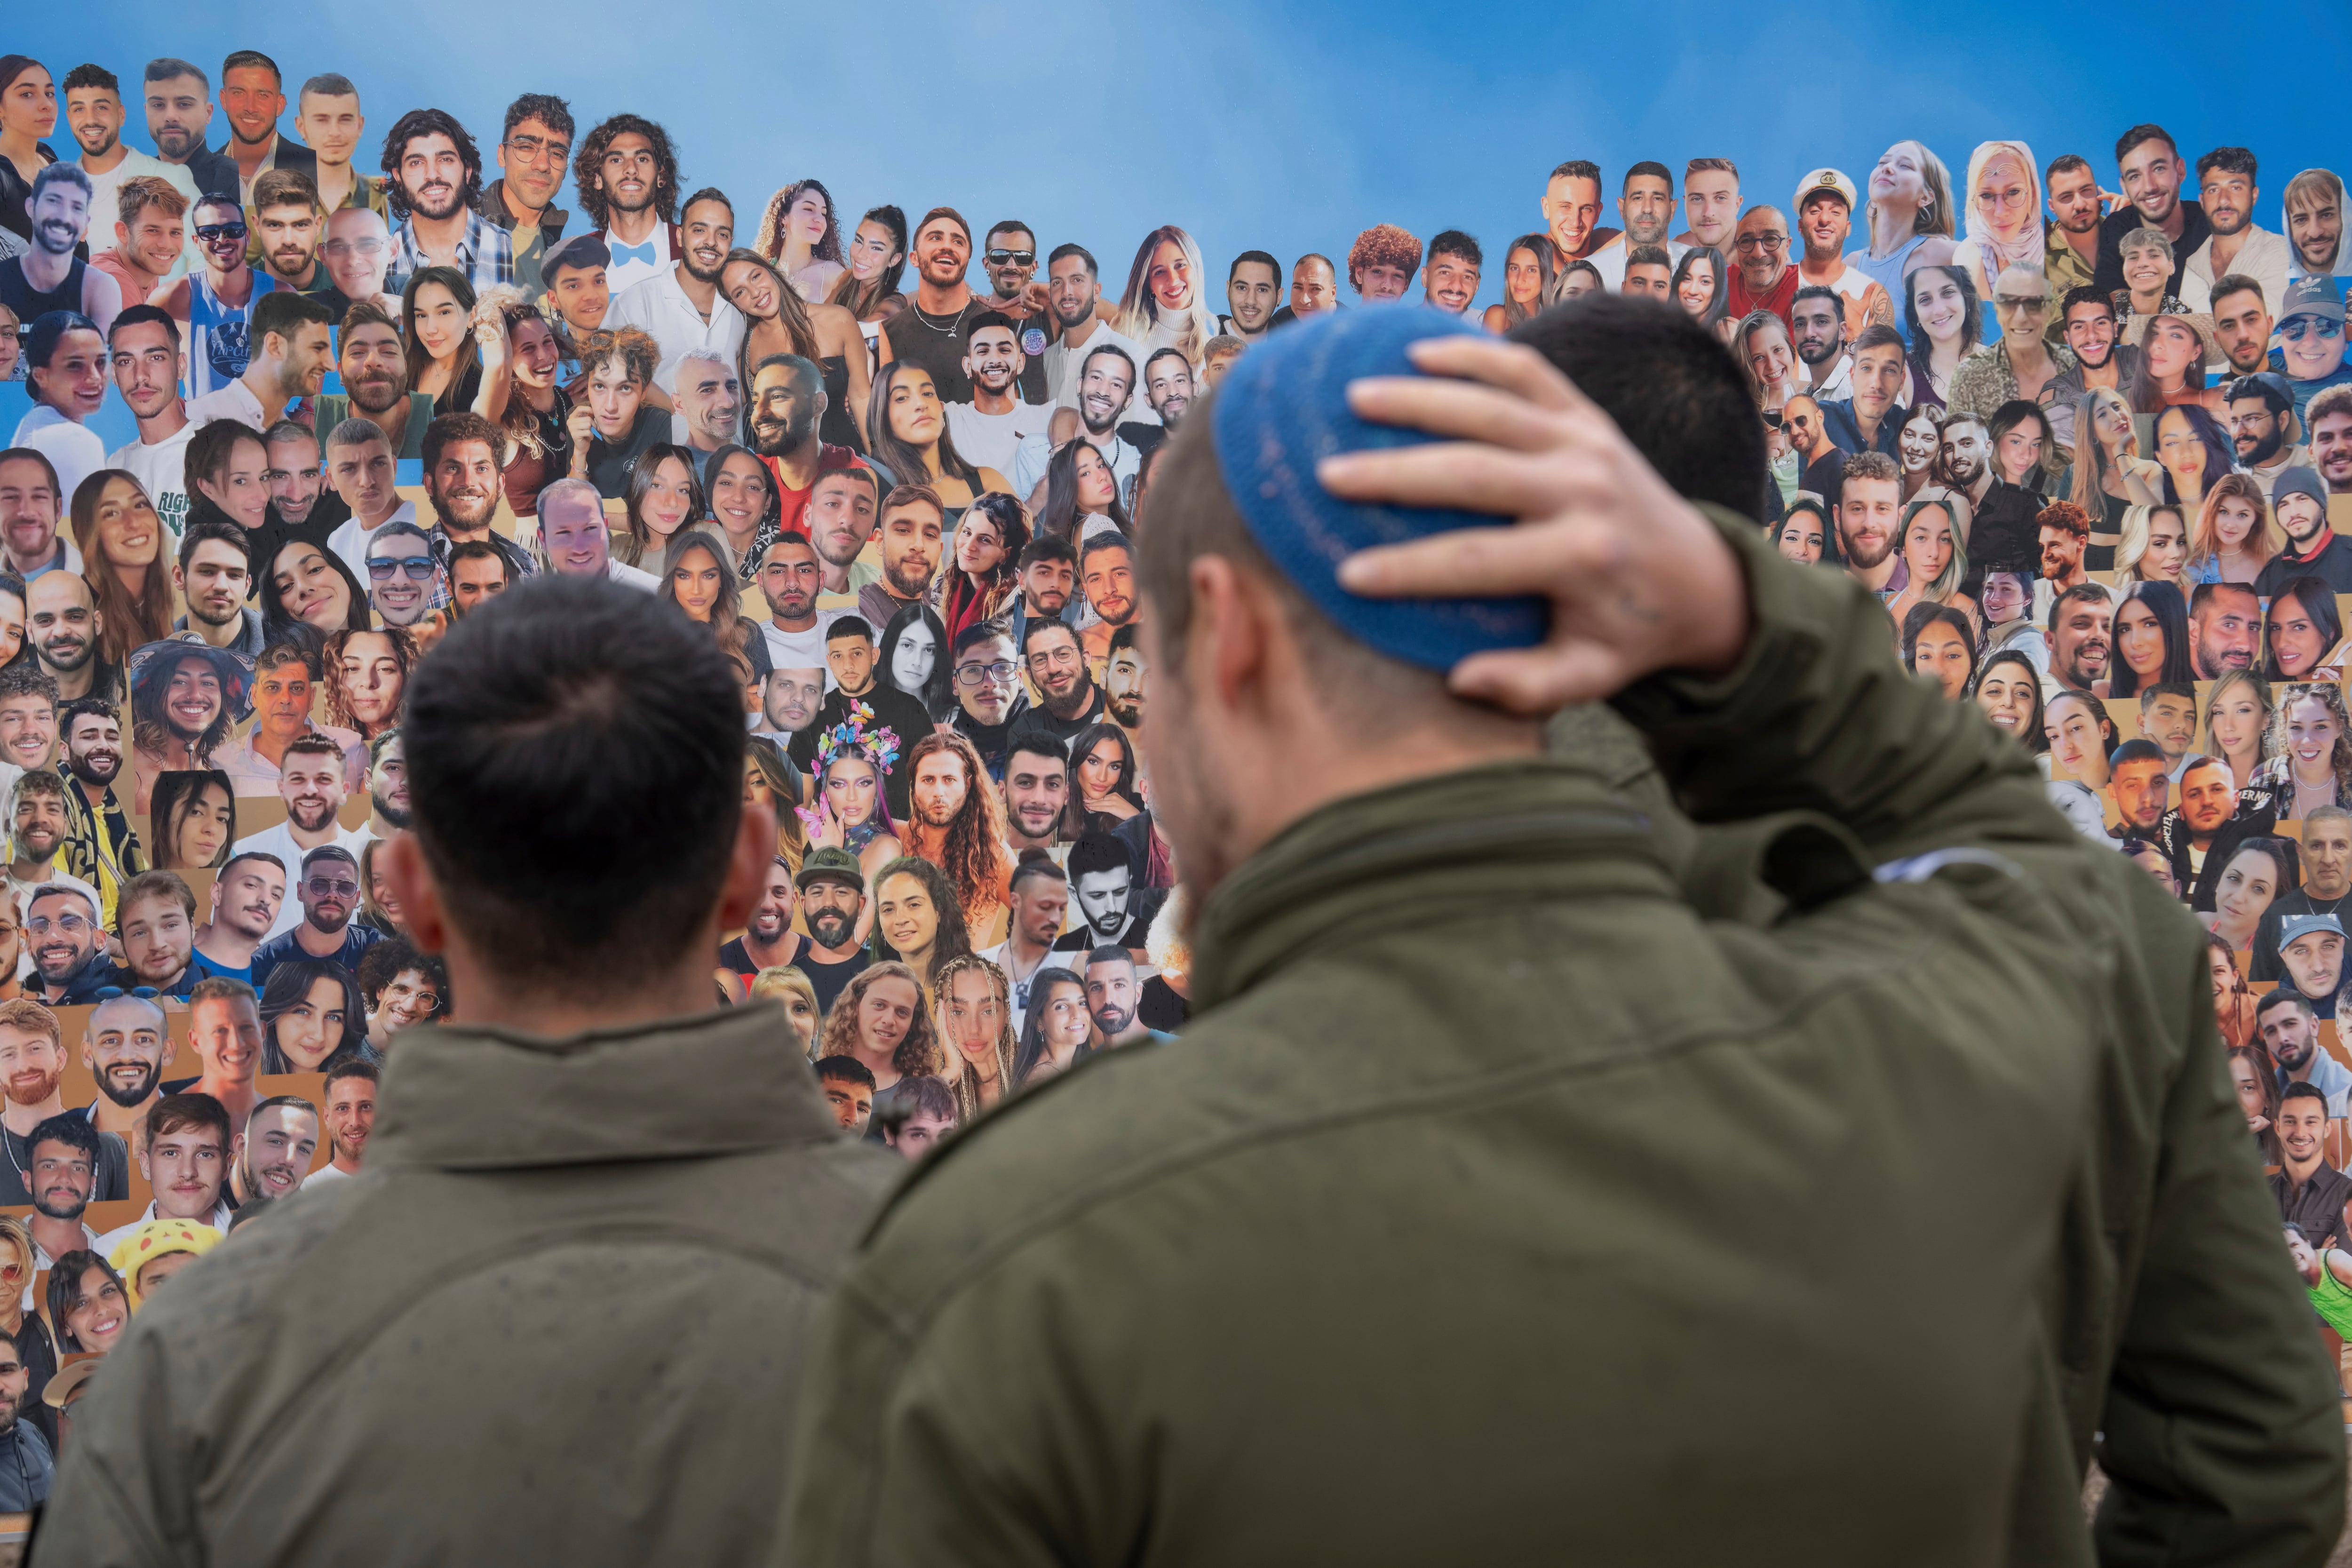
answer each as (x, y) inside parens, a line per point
(1671, 385)
(558, 709)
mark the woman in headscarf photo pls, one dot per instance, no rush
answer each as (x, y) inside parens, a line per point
(2003, 227)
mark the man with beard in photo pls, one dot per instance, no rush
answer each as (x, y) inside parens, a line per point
(958, 825)
(839, 521)
(327, 890)
(990, 428)
(374, 372)
(935, 329)
(65, 1173)
(63, 624)
(246, 898)
(63, 932)
(1107, 569)
(125, 1045)
(351, 1117)
(626, 174)
(1124, 680)
(832, 889)
(273, 1154)
(914, 520)
(462, 454)
(1869, 511)
(1104, 391)
(768, 940)
(1068, 699)
(32, 1064)
(212, 573)
(1112, 911)
(984, 665)
(2261, 418)
(433, 179)
(1036, 794)
(2225, 621)
(788, 402)
(2081, 623)
(1048, 576)
(311, 783)
(38, 825)
(680, 307)
(387, 786)
(1113, 996)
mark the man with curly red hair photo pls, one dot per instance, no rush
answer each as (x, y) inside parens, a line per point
(1381, 263)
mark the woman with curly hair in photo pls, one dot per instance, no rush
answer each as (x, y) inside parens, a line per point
(2311, 751)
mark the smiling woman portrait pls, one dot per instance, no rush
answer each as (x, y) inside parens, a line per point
(123, 546)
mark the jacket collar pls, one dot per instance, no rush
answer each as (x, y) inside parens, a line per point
(458, 1098)
(1539, 828)
(494, 208)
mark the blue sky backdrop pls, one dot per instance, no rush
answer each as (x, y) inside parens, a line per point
(1281, 124)
(1287, 125)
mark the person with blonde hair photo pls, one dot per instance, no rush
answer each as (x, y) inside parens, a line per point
(2236, 534)
(1163, 305)
(2237, 724)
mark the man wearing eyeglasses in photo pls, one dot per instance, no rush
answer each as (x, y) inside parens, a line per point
(985, 668)
(328, 891)
(2023, 363)
(63, 934)
(286, 677)
(533, 152)
(1761, 277)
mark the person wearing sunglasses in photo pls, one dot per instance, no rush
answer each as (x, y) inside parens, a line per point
(215, 307)
(2022, 364)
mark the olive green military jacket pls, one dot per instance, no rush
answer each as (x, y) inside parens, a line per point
(548, 1322)
(1536, 1185)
